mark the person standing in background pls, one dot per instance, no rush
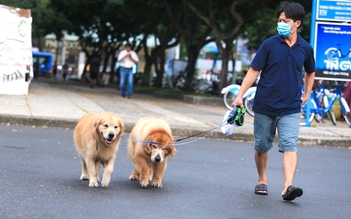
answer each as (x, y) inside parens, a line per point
(94, 69)
(127, 58)
(64, 71)
(54, 70)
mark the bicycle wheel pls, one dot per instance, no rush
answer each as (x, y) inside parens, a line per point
(331, 116)
(249, 102)
(345, 111)
(228, 99)
(347, 117)
(313, 108)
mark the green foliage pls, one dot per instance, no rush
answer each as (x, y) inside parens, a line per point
(135, 17)
(263, 23)
(106, 24)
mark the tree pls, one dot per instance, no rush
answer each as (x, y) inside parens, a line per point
(102, 26)
(156, 26)
(226, 19)
(194, 34)
(223, 34)
(263, 27)
(113, 33)
(264, 24)
(97, 25)
(163, 40)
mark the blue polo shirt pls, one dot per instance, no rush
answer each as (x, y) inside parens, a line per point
(279, 88)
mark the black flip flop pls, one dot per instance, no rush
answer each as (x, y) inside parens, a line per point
(261, 189)
(292, 193)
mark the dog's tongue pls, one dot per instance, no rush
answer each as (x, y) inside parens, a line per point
(108, 142)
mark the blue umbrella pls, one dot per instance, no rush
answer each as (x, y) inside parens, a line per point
(210, 47)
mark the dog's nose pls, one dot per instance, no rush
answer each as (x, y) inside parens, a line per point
(158, 158)
(111, 135)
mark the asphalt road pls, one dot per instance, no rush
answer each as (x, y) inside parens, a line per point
(39, 178)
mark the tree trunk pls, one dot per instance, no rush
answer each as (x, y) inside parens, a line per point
(226, 54)
(159, 68)
(191, 68)
(147, 71)
(148, 63)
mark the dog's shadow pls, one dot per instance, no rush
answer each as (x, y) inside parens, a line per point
(126, 184)
(115, 185)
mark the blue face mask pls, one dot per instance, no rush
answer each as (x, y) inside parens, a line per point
(284, 29)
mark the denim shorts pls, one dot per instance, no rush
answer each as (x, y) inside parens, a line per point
(265, 127)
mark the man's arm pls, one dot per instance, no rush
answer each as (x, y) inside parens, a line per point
(122, 55)
(309, 80)
(134, 57)
(249, 80)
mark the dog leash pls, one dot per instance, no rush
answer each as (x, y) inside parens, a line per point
(204, 133)
(235, 116)
(207, 133)
(142, 141)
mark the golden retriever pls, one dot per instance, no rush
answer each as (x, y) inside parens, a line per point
(150, 143)
(97, 137)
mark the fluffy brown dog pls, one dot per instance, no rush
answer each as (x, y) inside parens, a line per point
(97, 136)
(150, 144)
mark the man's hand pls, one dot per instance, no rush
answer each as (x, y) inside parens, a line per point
(304, 100)
(238, 102)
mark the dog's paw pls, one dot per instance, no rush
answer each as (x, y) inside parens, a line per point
(84, 177)
(133, 177)
(157, 184)
(104, 183)
(144, 184)
(93, 184)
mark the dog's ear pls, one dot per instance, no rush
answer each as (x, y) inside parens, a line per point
(97, 122)
(147, 148)
(121, 125)
(95, 128)
(172, 150)
(121, 128)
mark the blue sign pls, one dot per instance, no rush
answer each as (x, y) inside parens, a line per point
(333, 10)
(332, 48)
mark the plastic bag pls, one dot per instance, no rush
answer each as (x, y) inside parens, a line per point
(228, 129)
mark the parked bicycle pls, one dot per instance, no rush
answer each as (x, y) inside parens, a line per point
(249, 101)
(321, 105)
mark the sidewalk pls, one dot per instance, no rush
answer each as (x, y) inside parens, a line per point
(63, 104)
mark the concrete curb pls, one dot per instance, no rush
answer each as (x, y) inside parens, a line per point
(238, 136)
(70, 124)
(43, 122)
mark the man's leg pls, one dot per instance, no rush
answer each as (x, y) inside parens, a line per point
(288, 130)
(129, 82)
(122, 78)
(261, 165)
(289, 168)
(264, 131)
